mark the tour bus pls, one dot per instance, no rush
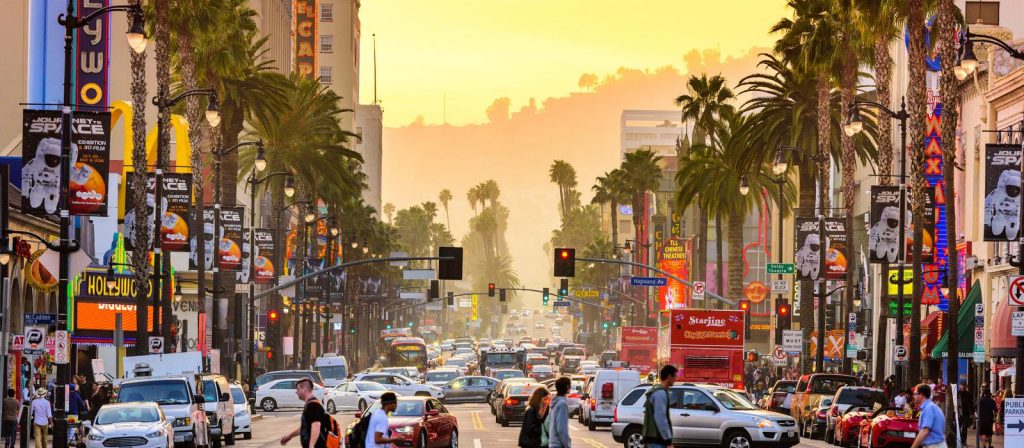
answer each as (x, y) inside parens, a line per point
(408, 352)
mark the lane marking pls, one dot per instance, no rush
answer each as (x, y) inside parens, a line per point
(594, 443)
(477, 423)
(476, 443)
(573, 428)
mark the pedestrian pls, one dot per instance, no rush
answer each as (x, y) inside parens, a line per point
(312, 422)
(42, 417)
(378, 435)
(931, 423)
(966, 402)
(986, 418)
(558, 419)
(11, 410)
(657, 429)
(939, 392)
(900, 400)
(531, 435)
(98, 399)
(77, 407)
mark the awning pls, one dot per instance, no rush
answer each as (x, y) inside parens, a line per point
(933, 326)
(965, 327)
(1009, 371)
(1003, 343)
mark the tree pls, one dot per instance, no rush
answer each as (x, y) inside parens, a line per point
(917, 108)
(389, 211)
(141, 267)
(641, 174)
(445, 197)
(564, 175)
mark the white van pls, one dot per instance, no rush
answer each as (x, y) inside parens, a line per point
(333, 368)
(605, 390)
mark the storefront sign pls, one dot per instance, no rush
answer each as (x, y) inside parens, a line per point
(96, 306)
(755, 292)
(675, 258)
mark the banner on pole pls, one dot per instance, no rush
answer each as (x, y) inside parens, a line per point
(808, 252)
(836, 255)
(41, 163)
(229, 250)
(1001, 216)
(207, 238)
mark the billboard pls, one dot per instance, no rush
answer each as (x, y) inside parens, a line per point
(176, 203)
(41, 163)
(675, 259)
(1002, 192)
(808, 249)
(229, 251)
(305, 38)
(207, 236)
(707, 327)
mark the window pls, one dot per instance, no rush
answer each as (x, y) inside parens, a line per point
(285, 385)
(633, 396)
(326, 43)
(696, 400)
(325, 75)
(986, 12)
(326, 12)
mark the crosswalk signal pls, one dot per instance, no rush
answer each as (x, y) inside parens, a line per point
(565, 262)
(451, 298)
(501, 295)
(563, 288)
(545, 296)
(490, 290)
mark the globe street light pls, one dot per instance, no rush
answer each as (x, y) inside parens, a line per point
(289, 187)
(744, 187)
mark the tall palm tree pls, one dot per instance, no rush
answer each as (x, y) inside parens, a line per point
(641, 175)
(473, 196)
(917, 108)
(389, 211)
(609, 188)
(564, 175)
(141, 267)
(445, 197)
(489, 191)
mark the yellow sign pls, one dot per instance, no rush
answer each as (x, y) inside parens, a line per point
(586, 293)
(893, 281)
(475, 313)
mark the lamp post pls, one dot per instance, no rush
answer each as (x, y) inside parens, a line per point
(855, 124)
(275, 339)
(780, 181)
(137, 41)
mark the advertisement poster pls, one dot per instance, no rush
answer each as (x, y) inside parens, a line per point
(675, 259)
(174, 228)
(98, 304)
(836, 252)
(808, 249)
(263, 257)
(707, 328)
(207, 235)
(229, 251)
(1001, 217)
(41, 163)
(883, 233)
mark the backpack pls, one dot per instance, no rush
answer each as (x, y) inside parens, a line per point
(330, 431)
(357, 438)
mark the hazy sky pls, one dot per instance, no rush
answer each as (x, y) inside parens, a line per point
(466, 53)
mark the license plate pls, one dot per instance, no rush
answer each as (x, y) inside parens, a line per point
(791, 434)
(179, 438)
(909, 435)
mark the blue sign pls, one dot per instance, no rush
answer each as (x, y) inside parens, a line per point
(648, 281)
(563, 303)
(40, 319)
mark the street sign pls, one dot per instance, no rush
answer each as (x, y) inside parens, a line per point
(1017, 327)
(778, 356)
(39, 319)
(156, 344)
(1013, 419)
(698, 290)
(780, 286)
(781, 268)
(562, 303)
(62, 347)
(586, 293)
(900, 354)
(35, 340)
(1015, 293)
(19, 343)
(475, 312)
(465, 302)
(793, 341)
(648, 281)
(979, 310)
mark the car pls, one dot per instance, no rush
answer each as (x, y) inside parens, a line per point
(552, 348)
(458, 363)
(243, 418)
(219, 407)
(446, 346)
(441, 376)
(706, 415)
(558, 321)
(542, 341)
(542, 372)
(409, 372)
(280, 394)
(570, 364)
(513, 403)
(498, 393)
(356, 395)
(539, 324)
(469, 389)
(820, 423)
(313, 375)
(779, 396)
(603, 392)
(420, 422)
(555, 329)
(333, 368)
(845, 429)
(812, 386)
(401, 385)
(177, 398)
(606, 357)
(501, 374)
(140, 424)
(848, 397)
(888, 426)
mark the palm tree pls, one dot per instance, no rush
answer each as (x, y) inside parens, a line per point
(389, 211)
(430, 208)
(141, 267)
(564, 175)
(473, 196)
(916, 107)
(489, 191)
(445, 197)
(641, 174)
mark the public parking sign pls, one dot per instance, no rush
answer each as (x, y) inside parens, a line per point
(1014, 422)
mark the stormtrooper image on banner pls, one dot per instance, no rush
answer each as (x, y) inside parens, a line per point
(1003, 186)
(207, 235)
(883, 236)
(808, 254)
(248, 254)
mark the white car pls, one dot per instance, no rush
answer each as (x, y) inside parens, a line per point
(356, 395)
(401, 385)
(539, 324)
(457, 362)
(243, 420)
(140, 424)
(440, 377)
(281, 394)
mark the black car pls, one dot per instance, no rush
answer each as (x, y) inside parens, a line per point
(513, 404)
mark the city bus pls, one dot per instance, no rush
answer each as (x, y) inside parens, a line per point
(408, 352)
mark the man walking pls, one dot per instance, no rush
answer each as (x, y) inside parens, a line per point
(312, 421)
(42, 417)
(657, 429)
(931, 423)
(378, 435)
(11, 408)
(558, 416)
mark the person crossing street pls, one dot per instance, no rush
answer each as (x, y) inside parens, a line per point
(657, 429)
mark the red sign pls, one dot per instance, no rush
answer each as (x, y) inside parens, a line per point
(639, 335)
(707, 327)
(675, 259)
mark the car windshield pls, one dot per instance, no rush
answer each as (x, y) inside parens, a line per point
(160, 391)
(411, 408)
(368, 386)
(786, 387)
(333, 372)
(455, 362)
(441, 376)
(862, 397)
(237, 395)
(110, 415)
(573, 352)
(542, 368)
(733, 401)
(502, 374)
(501, 358)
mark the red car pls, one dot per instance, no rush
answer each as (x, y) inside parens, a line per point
(888, 427)
(421, 422)
(847, 426)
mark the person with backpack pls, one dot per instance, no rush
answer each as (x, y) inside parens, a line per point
(313, 424)
(378, 433)
(657, 430)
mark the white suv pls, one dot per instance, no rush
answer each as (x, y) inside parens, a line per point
(401, 385)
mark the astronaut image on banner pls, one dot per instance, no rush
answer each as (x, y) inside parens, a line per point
(248, 254)
(1002, 207)
(883, 239)
(41, 175)
(207, 242)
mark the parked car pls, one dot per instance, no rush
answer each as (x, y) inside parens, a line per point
(779, 396)
(420, 422)
(141, 424)
(501, 374)
(849, 397)
(178, 400)
(353, 395)
(888, 426)
(281, 394)
(812, 386)
(542, 372)
(401, 385)
(513, 403)
(706, 415)
(441, 376)
(408, 372)
(845, 428)
(313, 375)
(219, 407)
(603, 393)
(820, 423)
(243, 418)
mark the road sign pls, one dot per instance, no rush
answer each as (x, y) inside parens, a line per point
(19, 343)
(156, 344)
(562, 303)
(1014, 422)
(979, 310)
(1015, 293)
(62, 347)
(475, 312)
(698, 290)
(39, 319)
(586, 293)
(648, 281)
(780, 286)
(35, 340)
(1017, 328)
(778, 356)
(793, 341)
(900, 354)
(781, 268)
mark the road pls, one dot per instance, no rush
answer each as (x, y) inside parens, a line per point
(477, 429)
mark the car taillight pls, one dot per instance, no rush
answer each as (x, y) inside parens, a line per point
(511, 402)
(615, 414)
(821, 413)
(593, 404)
(607, 391)
(834, 411)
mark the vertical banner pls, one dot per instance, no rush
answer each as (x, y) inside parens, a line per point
(207, 237)
(92, 45)
(808, 246)
(1003, 189)
(837, 251)
(883, 238)
(174, 227)
(928, 228)
(41, 161)
(305, 38)
(229, 251)
(677, 225)
(242, 276)
(263, 257)
(675, 259)
(132, 222)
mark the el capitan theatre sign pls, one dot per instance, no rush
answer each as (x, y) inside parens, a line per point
(96, 307)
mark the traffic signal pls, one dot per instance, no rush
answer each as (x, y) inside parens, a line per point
(387, 324)
(451, 298)
(272, 316)
(270, 354)
(410, 324)
(490, 290)
(604, 325)
(501, 295)
(565, 262)
(435, 291)
(449, 269)
(545, 296)
(563, 288)
(783, 315)
(744, 305)
(830, 317)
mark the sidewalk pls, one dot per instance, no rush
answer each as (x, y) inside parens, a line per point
(997, 440)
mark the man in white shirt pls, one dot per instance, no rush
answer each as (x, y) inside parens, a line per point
(42, 417)
(378, 435)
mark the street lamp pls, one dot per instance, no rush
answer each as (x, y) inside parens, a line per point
(137, 32)
(289, 187)
(310, 216)
(744, 187)
(261, 159)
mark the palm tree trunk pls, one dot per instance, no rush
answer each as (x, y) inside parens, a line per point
(615, 223)
(824, 139)
(883, 77)
(849, 165)
(196, 134)
(916, 98)
(720, 259)
(806, 210)
(735, 259)
(701, 271)
(163, 82)
(138, 183)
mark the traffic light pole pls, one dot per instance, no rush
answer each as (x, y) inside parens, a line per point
(666, 274)
(314, 274)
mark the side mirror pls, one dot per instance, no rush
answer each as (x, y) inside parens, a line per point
(432, 413)
(199, 399)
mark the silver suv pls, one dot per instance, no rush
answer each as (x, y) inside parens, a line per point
(705, 415)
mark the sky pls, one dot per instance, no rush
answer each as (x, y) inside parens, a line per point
(443, 63)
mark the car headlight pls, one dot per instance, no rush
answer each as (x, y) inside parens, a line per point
(405, 429)
(95, 435)
(155, 434)
(183, 421)
(763, 422)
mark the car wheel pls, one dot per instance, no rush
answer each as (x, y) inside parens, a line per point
(362, 405)
(331, 407)
(591, 426)
(736, 439)
(454, 443)
(229, 439)
(215, 441)
(268, 404)
(633, 438)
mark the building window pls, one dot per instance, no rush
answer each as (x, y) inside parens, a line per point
(326, 12)
(325, 75)
(979, 12)
(326, 43)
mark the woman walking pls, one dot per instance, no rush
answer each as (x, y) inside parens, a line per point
(533, 434)
(986, 418)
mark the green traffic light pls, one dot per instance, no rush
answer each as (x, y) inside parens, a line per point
(410, 324)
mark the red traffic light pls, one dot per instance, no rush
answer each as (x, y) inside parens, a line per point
(783, 309)
(564, 254)
(744, 305)
(270, 354)
(272, 315)
(490, 289)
